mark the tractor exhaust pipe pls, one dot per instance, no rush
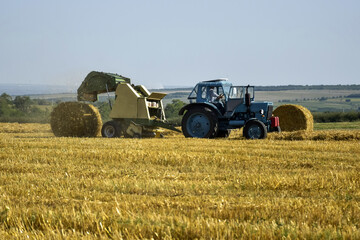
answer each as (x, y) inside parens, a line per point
(247, 97)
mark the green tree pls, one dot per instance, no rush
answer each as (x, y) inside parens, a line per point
(5, 105)
(22, 103)
(172, 109)
(6, 97)
(5, 108)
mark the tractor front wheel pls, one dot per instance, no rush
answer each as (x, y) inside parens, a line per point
(110, 129)
(200, 123)
(255, 129)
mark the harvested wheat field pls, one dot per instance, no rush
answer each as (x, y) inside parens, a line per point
(177, 188)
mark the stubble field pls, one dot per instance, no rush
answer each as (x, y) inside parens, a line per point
(177, 188)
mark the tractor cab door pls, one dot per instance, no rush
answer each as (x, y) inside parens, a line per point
(237, 97)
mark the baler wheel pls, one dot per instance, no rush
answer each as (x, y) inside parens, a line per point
(110, 130)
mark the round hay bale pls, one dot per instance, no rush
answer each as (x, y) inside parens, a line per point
(294, 118)
(74, 119)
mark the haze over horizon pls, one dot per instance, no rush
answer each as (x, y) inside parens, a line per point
(179, 43)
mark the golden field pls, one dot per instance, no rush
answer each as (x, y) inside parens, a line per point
(177, 188)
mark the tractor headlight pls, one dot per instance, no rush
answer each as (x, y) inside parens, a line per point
(261, 111)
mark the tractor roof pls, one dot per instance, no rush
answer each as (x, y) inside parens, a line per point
(217, 80)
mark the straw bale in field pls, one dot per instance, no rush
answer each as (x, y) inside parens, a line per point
(75, 119)
(294, 118)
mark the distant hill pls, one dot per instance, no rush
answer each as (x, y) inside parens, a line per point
(280, 88)
(38, 89)
(308, 87)
(34, 89)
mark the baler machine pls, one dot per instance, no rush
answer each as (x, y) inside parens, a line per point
(135, 113)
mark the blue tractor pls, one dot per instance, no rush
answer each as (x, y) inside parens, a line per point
(216, 107)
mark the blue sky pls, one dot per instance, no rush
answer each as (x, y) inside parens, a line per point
(178, 43)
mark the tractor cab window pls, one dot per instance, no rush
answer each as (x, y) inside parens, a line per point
(208, 92)
(239, 92)
(221, 91)
(226, 90)
(251, 92)
(203, 92)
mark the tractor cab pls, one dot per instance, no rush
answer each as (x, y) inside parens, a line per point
(234, 96)
(202, 90)
(238, 95)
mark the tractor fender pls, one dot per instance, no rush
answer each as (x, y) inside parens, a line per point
(250, 119)
(202, 105)
(255, 119)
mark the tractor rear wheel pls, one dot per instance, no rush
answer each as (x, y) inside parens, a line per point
(255, 129)
(111, 129)
(200, 123)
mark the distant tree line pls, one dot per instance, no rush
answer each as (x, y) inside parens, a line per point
(308, 87)
(22, 109)
(184, 92)
(322, 117)
(354, 95)
(286, 87)
(177, 95)
(318, 99)
(185, 89)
